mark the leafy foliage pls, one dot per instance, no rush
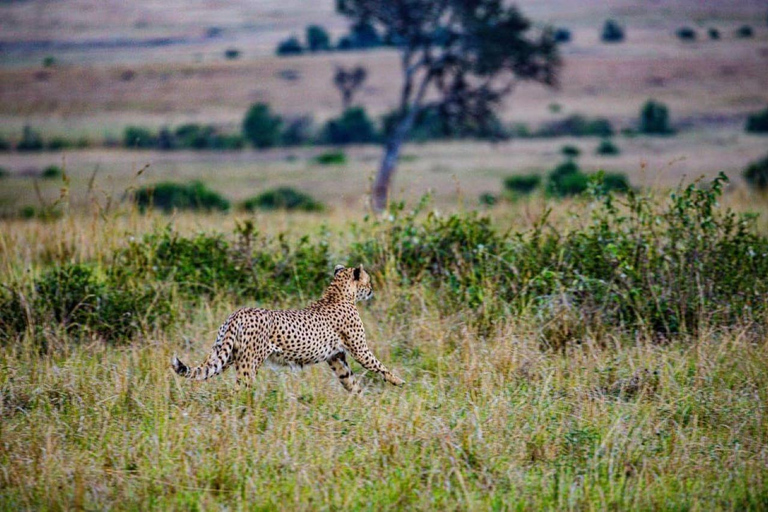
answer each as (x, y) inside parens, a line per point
(654, 119)
(260, 127)
(353, 127)
(336, 157)
(612, 32)
(756, 174)
(285, 198)
(318, 39)
(290, 46)
(168, 196)
(758, 122)
(522, 184)
(607, 148)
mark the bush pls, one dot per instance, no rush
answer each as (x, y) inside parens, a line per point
(488, 199)
(612, 32)
(290, 46)
(577, 125)
(260, 127)
(744, 32)
(566, 180)
(30, 140)
(562, 35)
(522, 185)
(139, 137)
(353, 127)
(51, 172)
(756, 174)
(570, 151)
(4, 144)
(331, 158)
(654, 119)
(298, 131)
(686, 34)
(714, 34)
(611, 182)
(169, 196)
(59, 143)
(4, 173)
(285, 198)
(361, 36)
(48, 61)
(758, 122)
(231, 53)
(607, 148)
(318, 39)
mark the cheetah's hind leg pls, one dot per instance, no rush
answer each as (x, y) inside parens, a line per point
(249, 359)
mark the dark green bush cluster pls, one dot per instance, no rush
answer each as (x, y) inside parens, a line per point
(577, 125)
(522, 184)
(607, 148)
(756, 174)
(654, 119)
(352, 127)
(650, 266)
(188, 136)
(169, 196)
(283, 198)
(361, 36)
(86, 302)
(335, 157)
(612, 32)
(758, 122)
(51, 172)
(686, 34)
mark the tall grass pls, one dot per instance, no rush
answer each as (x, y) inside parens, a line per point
(536, 377)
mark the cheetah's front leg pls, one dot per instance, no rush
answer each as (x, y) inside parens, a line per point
(342, 370)
(363, 355)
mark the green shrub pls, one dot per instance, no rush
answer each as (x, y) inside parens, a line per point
(336, 157)
(231, 53)
(562, 35)
(566, 180)
(488, 199)
(48, 61)
(758, 122)
(714, 34)
(51, 172)
(59, 143)
(570, 151)
(285, 198)
(611, 182)
(353, 127)
(577, 125)
(260, 127)
(524, 184)
(298, 131)
(607, 148)
(139, 137)
(30, 140)
(4, 144)
(756, 174)
(290, 46)
(654, 119)
(4, 173)
(169, 196)
(686, 34)
(318, 39)
(612, 32)
(745, 32)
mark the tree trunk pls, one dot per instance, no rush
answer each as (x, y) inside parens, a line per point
(380, 191)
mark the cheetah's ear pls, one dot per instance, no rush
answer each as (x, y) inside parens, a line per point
(336, 270)
(357, 272)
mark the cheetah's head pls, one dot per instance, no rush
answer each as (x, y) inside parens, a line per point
(356, 280)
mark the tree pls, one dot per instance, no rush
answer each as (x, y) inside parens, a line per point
(347, 81)
(461, 57)
(654, 118)
(318, 39)
(260, 127)
(612, 32)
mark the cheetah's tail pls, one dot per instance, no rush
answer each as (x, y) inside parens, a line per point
(217, 361)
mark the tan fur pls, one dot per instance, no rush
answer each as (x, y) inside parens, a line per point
(325, 330)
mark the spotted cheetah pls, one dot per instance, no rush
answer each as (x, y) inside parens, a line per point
(325, 330)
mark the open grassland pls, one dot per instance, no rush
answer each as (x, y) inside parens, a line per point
(526, 387)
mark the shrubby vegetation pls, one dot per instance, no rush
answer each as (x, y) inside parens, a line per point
(262, 128)
(756, 174)
(352, 127)
(758, 122)
(612, 32)
(522, 184)
(577, 125)
(168, 196)
(607, 148)
(654, 119)
(686, 34)
(51, 172)
(335, 157)
(283, 198)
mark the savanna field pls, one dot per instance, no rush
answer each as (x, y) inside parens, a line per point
(614, 358)
(574, 288)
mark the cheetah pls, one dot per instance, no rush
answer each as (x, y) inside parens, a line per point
(325, 330)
